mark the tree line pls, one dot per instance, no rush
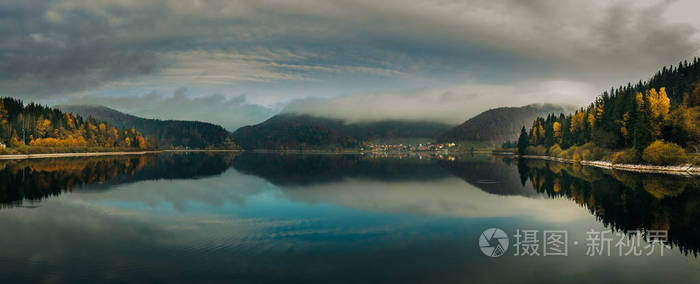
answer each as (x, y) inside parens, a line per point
(660, 113)
(26, 128)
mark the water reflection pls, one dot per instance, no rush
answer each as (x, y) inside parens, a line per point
(623, 200)
(428, 186)
(490, 175)
(325, 218)
(33, 180)
(296, 169)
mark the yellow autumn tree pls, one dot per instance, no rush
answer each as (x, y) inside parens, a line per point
(533, 133)
(142, 142)
(639, 99)
(577, 121)
(42, 127)
(556, 127)
(599, 112)
(590, 118)
(658, 103)
(70, 121)
(92, 127)
(14, 141)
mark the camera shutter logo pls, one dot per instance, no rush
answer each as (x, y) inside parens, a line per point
(493, 242)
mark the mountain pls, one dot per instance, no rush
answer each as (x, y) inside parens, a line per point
(500, 124)
(396, 131)
(299, 131)
(294, 132)
(168, 133)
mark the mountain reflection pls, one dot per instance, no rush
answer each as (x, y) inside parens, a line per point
(296, 169)
(620, 200)
(35, 180)
(488, 174)
(426, 186)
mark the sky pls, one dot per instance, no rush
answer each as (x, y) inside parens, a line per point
(237, 63)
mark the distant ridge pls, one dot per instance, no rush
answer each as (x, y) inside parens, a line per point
(301, 131)
(168, 133)
(500, 124)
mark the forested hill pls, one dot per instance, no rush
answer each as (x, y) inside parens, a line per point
(168, 133)
(499, 124)
(283, 132)
(655, 120)
(296, 131)
(34, 128)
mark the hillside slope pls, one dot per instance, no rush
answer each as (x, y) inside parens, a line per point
(296, 131)
(500, 124)
(168, 133)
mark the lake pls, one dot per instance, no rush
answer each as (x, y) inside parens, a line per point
(261, 218)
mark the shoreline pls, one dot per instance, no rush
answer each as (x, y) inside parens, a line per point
(97, 154)
(688, 170)
(77, 154)
(199, 150)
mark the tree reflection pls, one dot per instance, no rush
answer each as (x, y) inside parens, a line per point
(620, 200)
(489, 175)
(623, 200)
(34, 180)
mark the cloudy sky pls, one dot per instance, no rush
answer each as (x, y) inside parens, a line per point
(239, 62)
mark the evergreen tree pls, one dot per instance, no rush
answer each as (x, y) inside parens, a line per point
(523, 141)
(41, 126)
(632, 116)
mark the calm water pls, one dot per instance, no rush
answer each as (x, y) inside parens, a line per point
(331, 219)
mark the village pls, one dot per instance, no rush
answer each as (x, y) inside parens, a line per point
(427, 147)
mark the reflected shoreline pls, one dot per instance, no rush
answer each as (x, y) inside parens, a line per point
(101, 154)
(671, 170)
(36, 179)
(619, 200)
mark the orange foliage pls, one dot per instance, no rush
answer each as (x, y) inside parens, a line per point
(58, 142)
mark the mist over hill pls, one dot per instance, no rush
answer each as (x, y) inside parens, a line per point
(301, 131)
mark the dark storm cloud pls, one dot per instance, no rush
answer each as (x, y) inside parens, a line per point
(45, 54)
(277, 51)
(77, 69)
